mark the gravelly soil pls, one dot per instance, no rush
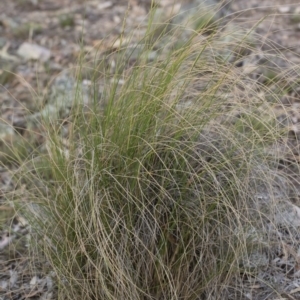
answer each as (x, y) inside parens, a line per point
(61, 26)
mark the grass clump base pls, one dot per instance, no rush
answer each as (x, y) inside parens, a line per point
(154, 195)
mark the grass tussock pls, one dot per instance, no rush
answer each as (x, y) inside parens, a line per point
(153, 192)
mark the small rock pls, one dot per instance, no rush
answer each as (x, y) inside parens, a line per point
(3, 285)
(32, 51)
(5, 241)
(6, 132)
(47, 296)
(33, 280)
(284, 9)
(255, 259)
(104, 5)
(288, 215)
(13, 278)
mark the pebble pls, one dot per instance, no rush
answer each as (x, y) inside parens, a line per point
(284, 9)
(35, 52)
